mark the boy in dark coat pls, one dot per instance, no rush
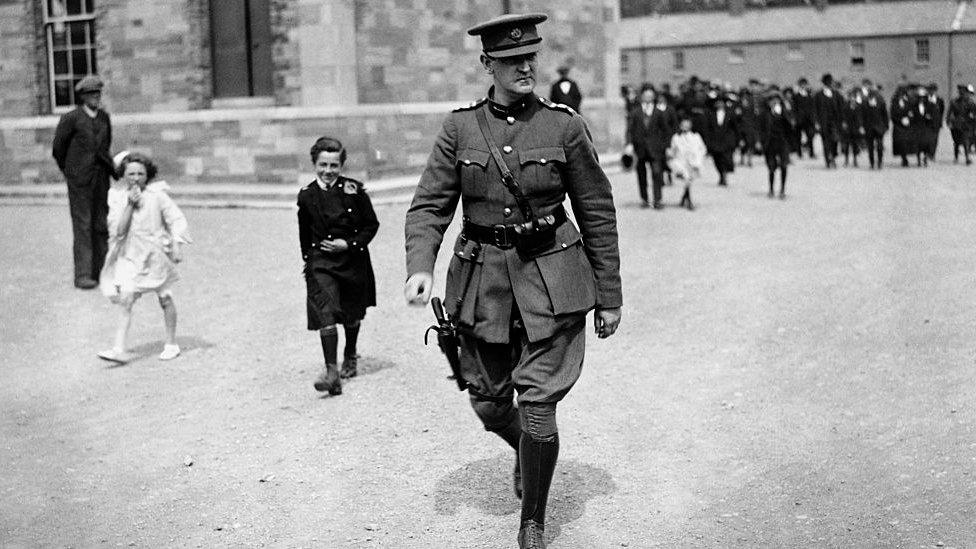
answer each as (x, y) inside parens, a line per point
(775, 128)
(336, 222)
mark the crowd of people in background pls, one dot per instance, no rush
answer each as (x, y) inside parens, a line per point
(777, 121)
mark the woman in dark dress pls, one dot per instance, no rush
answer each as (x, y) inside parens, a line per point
(336, 222)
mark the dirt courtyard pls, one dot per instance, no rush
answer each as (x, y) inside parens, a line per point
(795, 373)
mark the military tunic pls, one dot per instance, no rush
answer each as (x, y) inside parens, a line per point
(340, 285)
(548, 149)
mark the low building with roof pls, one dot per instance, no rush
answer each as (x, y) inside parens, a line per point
(731, 41)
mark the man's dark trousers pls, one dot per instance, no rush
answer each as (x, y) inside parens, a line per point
(657, 177)
(88, 201)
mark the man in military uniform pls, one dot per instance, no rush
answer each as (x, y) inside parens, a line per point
(522, 277)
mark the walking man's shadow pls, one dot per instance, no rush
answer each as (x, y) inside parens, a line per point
(486, 485)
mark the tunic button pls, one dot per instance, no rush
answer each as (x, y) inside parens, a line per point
(507, 148)
(507, 212)
(350, 209)
(510, 119)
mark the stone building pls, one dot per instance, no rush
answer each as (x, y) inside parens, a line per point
(781, 40)
(237, 90)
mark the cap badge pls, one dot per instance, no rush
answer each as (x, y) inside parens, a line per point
(515, 34)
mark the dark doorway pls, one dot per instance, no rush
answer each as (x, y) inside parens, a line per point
(241, 46)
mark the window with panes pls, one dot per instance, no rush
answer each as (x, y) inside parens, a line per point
(69, 27)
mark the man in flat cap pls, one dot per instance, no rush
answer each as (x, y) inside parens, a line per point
(81, 149)
(522, 277)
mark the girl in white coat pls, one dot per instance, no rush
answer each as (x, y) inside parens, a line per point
(146, 234)
(685, 157)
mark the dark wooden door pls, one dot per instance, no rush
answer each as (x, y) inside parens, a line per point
(241, 48)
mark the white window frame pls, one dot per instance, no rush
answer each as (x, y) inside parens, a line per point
(737, 56)
(678, 60)
(59, 23)
(928, 51)
(858, 50)
(794, 51)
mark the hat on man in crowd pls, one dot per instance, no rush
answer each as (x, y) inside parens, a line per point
(827, 79)
(510, 35)
(89, 84)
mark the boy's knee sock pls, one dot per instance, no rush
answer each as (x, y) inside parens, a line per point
(352, 336)
(330, 343)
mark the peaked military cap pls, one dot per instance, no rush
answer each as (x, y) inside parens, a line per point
(90, 83)
(510, 35)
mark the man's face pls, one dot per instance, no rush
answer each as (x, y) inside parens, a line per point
(515, 75)
(92, 100)
(647, 97)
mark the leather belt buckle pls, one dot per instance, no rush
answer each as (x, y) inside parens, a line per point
(499, 235)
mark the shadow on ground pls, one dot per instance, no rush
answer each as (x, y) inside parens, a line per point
(153, 348)
(486, 485)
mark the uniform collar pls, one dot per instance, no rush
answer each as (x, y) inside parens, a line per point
(509, 110)
(325, 186)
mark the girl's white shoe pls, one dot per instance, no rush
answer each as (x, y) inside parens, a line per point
(169, 352)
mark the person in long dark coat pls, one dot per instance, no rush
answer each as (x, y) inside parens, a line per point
(336, 222)
(775, 130)
(961, 119)
(806, 116)
(854, 130)
(721, 137)
(828, 119)
(748, 117)
(875, 126)
(649, 131)
(81, 149)
(903, 115)
(922, 126)
(565, 91)
(936, 105)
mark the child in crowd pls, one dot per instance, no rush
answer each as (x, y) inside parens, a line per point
(685, 157)
(146, 234)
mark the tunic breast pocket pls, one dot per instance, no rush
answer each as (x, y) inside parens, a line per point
(540, 169)
(472, 167)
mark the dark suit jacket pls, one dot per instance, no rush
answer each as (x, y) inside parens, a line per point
(650, 135)
(828, 112)
(81, 145)
(875, 116)
(775, 131)
(571, 99)
(722, 138)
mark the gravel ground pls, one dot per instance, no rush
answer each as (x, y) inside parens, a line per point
(794, 373)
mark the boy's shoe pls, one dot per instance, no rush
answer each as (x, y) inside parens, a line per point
(349, 364)
(169, 352)
(329, 380)
(117, 356)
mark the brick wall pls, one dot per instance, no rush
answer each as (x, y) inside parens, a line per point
(418, 50)
(18, 81)
(154, 56)
(264, 145)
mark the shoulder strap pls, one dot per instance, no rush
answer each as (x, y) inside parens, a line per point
(508, 179)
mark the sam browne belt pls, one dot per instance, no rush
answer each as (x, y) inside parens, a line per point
(508, 236)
